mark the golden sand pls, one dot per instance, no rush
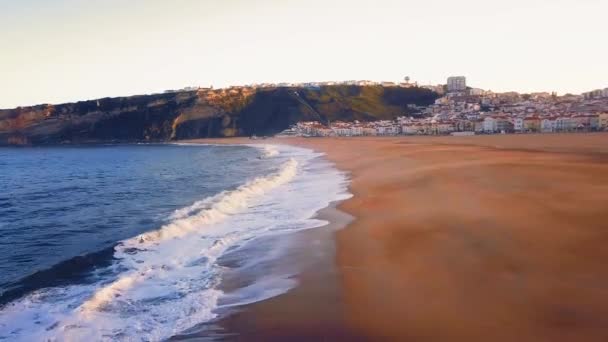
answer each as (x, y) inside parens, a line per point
(485, 238)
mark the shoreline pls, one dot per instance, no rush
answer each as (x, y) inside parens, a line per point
(312, 257)
(317, 280)
(478, 238)
(293, 194)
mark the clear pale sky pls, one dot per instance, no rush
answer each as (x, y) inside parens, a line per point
(54, 51)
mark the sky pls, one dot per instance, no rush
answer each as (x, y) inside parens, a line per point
(54, 51)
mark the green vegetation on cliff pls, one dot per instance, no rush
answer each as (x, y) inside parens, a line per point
(366, 103)
(206, 113)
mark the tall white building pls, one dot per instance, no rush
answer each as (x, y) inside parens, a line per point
(457, 83)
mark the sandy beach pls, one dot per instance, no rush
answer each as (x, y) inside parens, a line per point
(496, 238)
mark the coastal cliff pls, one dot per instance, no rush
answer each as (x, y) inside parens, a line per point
(203, 113)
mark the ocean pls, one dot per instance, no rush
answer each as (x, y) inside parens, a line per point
(126, 242)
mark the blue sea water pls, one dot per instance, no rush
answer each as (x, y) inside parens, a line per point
(57, 203)
(121, 242)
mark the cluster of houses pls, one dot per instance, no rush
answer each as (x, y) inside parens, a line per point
(596, 94)
(465, 111)
(489, 124)
(460, 110)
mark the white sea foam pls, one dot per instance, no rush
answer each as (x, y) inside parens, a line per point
(269, 152)
(166, 281)
(215, 209)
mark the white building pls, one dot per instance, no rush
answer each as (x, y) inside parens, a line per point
(342, 131)
(457, 84)
(445, 127)
(564, 124)
(518, 124)
(369, 130)
(594, 94)
(490, 125)
(387, 129)
(548, 125)
(409, 128)
(603, 121)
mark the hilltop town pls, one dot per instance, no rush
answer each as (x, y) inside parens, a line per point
(351, 108)
(463, 110)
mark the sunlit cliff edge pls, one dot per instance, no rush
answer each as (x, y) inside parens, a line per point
(203, 113)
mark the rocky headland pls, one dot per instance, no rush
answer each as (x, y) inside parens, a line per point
(203, 113)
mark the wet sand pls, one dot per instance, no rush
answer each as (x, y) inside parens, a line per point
(497, 238)
(316, 301)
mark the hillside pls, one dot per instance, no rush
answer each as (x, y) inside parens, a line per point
(204, 113)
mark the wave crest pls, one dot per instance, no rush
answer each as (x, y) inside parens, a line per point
(189, 220)
(165, 282)
(269, 151)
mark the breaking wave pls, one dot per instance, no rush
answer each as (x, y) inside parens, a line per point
(187, 221)
(215, 208)
(269, 151)
(166, 281)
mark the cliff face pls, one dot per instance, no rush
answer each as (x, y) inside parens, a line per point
(203, 113)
